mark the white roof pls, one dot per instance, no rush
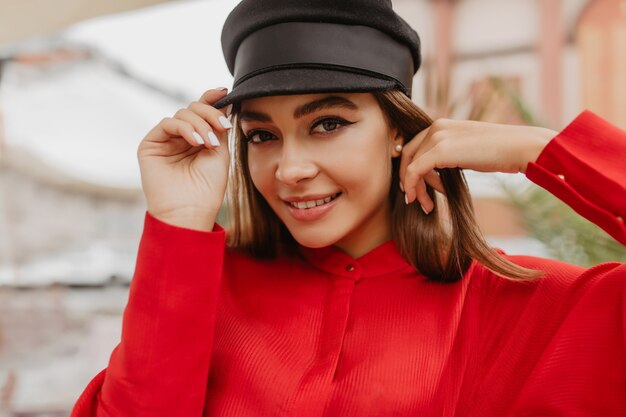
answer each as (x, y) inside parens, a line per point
(88, 119)
(174, 44)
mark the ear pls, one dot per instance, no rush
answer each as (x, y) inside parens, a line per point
(396, 142)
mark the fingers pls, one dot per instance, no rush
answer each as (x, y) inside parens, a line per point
(171, 127)
(421, 194)
(219, 123)
(211, 96)
(218, 119)
(433, 179)
(428, 151)
(414, 177)
(409, 150)
(419, 191)
(422, 170)
(200, 124)
(203, 132)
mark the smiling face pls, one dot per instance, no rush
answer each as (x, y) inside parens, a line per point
(323, 164)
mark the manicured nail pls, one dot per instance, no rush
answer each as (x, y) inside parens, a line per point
(213, 139)
(198, 138)
(406, 199)
(225, 122)
(424, 210)
(229, 110)
(401, 186)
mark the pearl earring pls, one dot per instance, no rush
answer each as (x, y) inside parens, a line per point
(399, 147)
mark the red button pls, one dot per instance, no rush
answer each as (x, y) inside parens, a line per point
(350, 268)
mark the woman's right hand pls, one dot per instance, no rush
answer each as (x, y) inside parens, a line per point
(183, 180)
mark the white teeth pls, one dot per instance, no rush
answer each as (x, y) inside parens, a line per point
(312, 203)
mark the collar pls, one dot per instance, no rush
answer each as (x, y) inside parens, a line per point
(383, 259)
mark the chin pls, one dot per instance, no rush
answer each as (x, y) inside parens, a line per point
(314, 240)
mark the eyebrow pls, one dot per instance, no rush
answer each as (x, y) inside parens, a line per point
(303, 110)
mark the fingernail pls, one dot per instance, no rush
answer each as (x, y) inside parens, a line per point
(229, 110)
(213, 139)
(221, 88)
(198, 138)
(424, 210)
(406, 199)
(401, 186)
(225, 122)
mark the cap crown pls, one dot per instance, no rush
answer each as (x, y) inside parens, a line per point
(251, 15)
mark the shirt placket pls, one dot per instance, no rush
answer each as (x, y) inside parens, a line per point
(315, 385)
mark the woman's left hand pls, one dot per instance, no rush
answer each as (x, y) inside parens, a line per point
(466, 144)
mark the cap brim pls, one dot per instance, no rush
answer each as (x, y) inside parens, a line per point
(302, 81)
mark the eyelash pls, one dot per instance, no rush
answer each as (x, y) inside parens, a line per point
(338, 120)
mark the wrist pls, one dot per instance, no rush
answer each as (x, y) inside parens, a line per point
(188, 218)
(537, 143)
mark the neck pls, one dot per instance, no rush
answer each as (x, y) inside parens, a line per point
(368, 236)
(356, 251)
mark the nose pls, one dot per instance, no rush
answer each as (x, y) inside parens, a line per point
(295, 165)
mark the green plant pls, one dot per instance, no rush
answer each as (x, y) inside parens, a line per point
(567, 236)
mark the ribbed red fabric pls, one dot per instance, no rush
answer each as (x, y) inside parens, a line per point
(209, 333)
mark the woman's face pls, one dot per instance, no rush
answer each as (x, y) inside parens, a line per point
(323, 163)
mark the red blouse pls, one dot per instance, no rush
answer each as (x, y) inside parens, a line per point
(209, 332)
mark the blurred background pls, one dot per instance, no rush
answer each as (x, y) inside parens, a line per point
(81, 83)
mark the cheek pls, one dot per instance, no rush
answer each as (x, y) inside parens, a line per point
(366, 161)
(260, 172)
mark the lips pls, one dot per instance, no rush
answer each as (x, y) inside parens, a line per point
(309, 202)
(310, 210)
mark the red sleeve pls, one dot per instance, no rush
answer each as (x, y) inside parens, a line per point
(161, 366)
(585, 166)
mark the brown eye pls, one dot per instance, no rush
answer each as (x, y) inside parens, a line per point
(330, 124)
(258, 136)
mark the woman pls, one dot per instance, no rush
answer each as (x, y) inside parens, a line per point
(350, 287)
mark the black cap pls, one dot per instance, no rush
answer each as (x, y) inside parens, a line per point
(276, 47)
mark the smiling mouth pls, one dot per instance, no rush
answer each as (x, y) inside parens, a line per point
(303, 205)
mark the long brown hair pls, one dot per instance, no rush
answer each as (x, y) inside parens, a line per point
(440, 245)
